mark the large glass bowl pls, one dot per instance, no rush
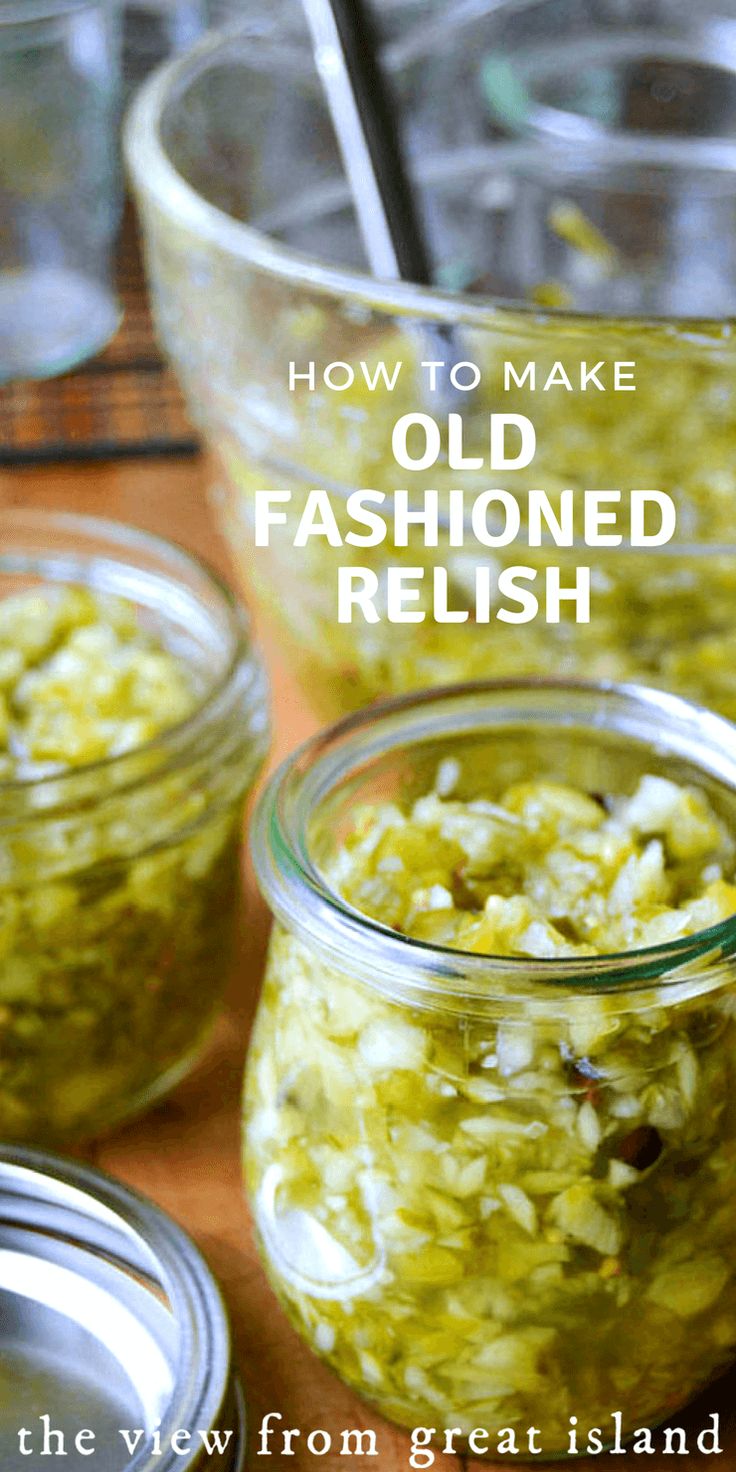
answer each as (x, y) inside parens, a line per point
(575, 242)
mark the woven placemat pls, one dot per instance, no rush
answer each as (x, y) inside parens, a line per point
(124, 402)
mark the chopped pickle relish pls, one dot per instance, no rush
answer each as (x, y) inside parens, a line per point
(517, 1208)
(81, 681)
(118, 886)
(545, 871)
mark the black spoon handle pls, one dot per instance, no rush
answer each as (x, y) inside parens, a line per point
(365, 119)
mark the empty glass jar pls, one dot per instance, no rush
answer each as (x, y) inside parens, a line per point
(60, 187)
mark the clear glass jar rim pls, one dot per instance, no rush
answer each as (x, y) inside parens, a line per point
(155, 176)
(301, 900)
(20, 12)
(177, 744)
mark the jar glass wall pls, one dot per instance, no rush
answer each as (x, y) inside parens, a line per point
(613, 247)
(462, 1167)
(119, 877)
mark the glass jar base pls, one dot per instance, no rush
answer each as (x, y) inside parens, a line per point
(50, 320)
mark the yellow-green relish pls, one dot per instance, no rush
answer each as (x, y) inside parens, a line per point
(118, 885)
(546, 870)
(518, 1210)
(80, 680)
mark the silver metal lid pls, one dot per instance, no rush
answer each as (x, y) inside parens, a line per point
(114, 1340)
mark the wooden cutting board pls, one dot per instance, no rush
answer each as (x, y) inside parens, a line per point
(185, 1152)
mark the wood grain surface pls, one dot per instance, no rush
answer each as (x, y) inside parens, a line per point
(185, 1152)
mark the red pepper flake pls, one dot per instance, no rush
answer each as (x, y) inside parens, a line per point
(589, 1087)
(642, 1148)
(462, 895)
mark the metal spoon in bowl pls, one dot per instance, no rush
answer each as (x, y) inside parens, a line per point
(365, 120)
